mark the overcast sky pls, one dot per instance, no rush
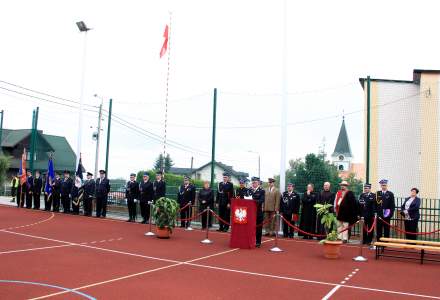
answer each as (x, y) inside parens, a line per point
(235, 46)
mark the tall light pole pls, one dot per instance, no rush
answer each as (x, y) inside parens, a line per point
(82, 28)
(284, 102)
(259, 162)
(98, 136)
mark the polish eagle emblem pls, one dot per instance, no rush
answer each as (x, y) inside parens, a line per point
(240, 215)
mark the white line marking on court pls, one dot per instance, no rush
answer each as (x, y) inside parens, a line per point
(331, 292)
(34, 249)
(36, 223)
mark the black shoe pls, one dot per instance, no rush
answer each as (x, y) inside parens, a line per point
(258, 245)
(219, 230)
(129, 220)
(144, 222)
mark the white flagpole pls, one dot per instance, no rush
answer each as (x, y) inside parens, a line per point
(284, 102)
(166, 97)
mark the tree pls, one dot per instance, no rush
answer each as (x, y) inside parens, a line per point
(356, 185)
(159, 163)
(4, 166)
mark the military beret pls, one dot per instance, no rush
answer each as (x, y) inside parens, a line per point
(383, 181)
(226, 174)
(255, 178)
(89, 174)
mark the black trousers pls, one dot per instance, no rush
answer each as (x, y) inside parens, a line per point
(259, 230)
(36, 200)
(13, 192)
(145, 210)
(224, 213)
(88, 206)
(47, 202)
(65, 200)
(383, 230)
(131, 208)
(368, 237)
(56, 202)
(411, 226)
(185, 213)
(287, 230)
(28, 200)
(206, 218)
(75, 207)
(101, 206)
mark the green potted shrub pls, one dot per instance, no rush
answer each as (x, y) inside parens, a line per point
(332, 244)
(164, 215)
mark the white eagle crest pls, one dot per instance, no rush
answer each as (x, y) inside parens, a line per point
(240, 214)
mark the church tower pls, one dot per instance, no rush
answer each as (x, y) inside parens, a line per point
(342, 155)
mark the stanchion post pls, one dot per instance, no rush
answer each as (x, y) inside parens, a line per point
(189, 228)
(150, 232)
(372, 247)
(275, 248)
(207, 240)
(360, 257)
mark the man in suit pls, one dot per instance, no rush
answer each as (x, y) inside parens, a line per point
(367, 202)
(89, 193)
(225, 192)
(186, 194)
(289, 209)
(102, 189)
(385, 206)
(29, 188)
(66, 190)
(159, 186)
(38, 186)
(146, 197)
(346, 210)
(271, 206)
(258, 195)
(131, 193)
(56, 192)
(242, 191)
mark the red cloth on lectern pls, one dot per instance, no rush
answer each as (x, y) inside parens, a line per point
(243, 222)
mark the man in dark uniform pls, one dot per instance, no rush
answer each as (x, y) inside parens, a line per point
(56, 192)
(242, 191)
(89, 193)
(29, 188)
(131, 193)
(186, 194)
(258, 194)
(367, 202)
(146, 197)
(289, 209)
(159, 186)
(38, 186)
(385, 206)
(224, 194)
(102, 189)
(66, 190)
(47, 201)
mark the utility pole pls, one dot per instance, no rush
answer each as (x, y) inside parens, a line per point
(98, 137)
(259, 166)
(1, 130)
(192, 162)
(31, 150)
(214, 120)
(108, 135)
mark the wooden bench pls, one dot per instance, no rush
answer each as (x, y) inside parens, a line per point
(404, 245)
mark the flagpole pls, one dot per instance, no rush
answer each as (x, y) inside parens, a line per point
(284, 103)
(166, 96)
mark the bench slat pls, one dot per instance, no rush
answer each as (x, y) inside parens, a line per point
(407, 246)
(418, 242)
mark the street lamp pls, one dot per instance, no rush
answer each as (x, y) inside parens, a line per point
(82, 28)
(259, 161)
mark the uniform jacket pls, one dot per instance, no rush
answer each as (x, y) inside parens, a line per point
(146, 191)
(102, 187)
(206, 198)
(259, 196)
(413, 210)
(367, 204)
(132, 190)
(186, 194)
(89, 188)
(242, 192)
(385, 201)
(38, 185)
(224, 193)
(290, 203)
(159, 188)
(56, 187)
(66, 186)
(29, 184)
(272, 199)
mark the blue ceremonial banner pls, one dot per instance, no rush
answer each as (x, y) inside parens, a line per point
(50, 176)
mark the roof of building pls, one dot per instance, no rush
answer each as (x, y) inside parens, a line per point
(227, 168)
(416, 77)
(180, 171)
(342, 144)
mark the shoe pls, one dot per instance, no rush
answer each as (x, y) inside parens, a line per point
(129, 220)
(258, 245)
(219, 230)
(144, 222)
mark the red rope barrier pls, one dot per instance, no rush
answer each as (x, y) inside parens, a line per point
(372, 226)
(192, 218)
(266, 221)
(301, 231)
(349, 227)
(220, 219)
(408, 232)
(188, 204)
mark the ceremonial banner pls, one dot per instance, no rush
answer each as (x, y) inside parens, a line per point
(244, 218)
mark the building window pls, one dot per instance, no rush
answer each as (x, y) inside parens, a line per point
(341, 168)
(198, 176)
(28, 156)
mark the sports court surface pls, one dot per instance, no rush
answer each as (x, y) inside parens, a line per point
(55, 256)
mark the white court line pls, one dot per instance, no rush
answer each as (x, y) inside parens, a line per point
(36, 223)
(326, 297)
(174, 262)
(33, 249)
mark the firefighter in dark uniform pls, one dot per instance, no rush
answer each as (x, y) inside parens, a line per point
(146, 197)
(159, 186)
(56, 193)
(367, 201)
(101, 191)
(38, 186)
(385, 206)
(258, 194)
(186, 197)
(131, 193)
(242, 191)
(89, 193)
(289, 209)
(224, 194)
(66, 190)
(29, 188)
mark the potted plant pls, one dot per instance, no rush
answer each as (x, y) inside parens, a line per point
(332, 244)
(164, 216)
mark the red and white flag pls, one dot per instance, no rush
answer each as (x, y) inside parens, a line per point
(164, 48)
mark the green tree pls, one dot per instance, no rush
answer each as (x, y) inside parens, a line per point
(4, 166)
(159, 162)
(356, 185)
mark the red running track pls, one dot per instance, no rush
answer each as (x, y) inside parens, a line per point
(109, 259)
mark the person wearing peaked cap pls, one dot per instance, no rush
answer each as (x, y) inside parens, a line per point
(28, 188)
(37, 187)
(258, 195)
(66, 191)
(271, 206)
(131, 193)
(289, 209)
(159, 186)
(346, 210)
(367, 202)
(89, 193)
(226, 174)
(385, 207)
(242, 191)
(185, 195)
(225, 193)
(146, 197)
(102, 189)
(255, 178)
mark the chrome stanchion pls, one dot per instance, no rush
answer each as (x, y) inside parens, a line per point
(150, 232)
(360, 257)
(372, 247)
(189, 228)
(207, 240)
(275, 248)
